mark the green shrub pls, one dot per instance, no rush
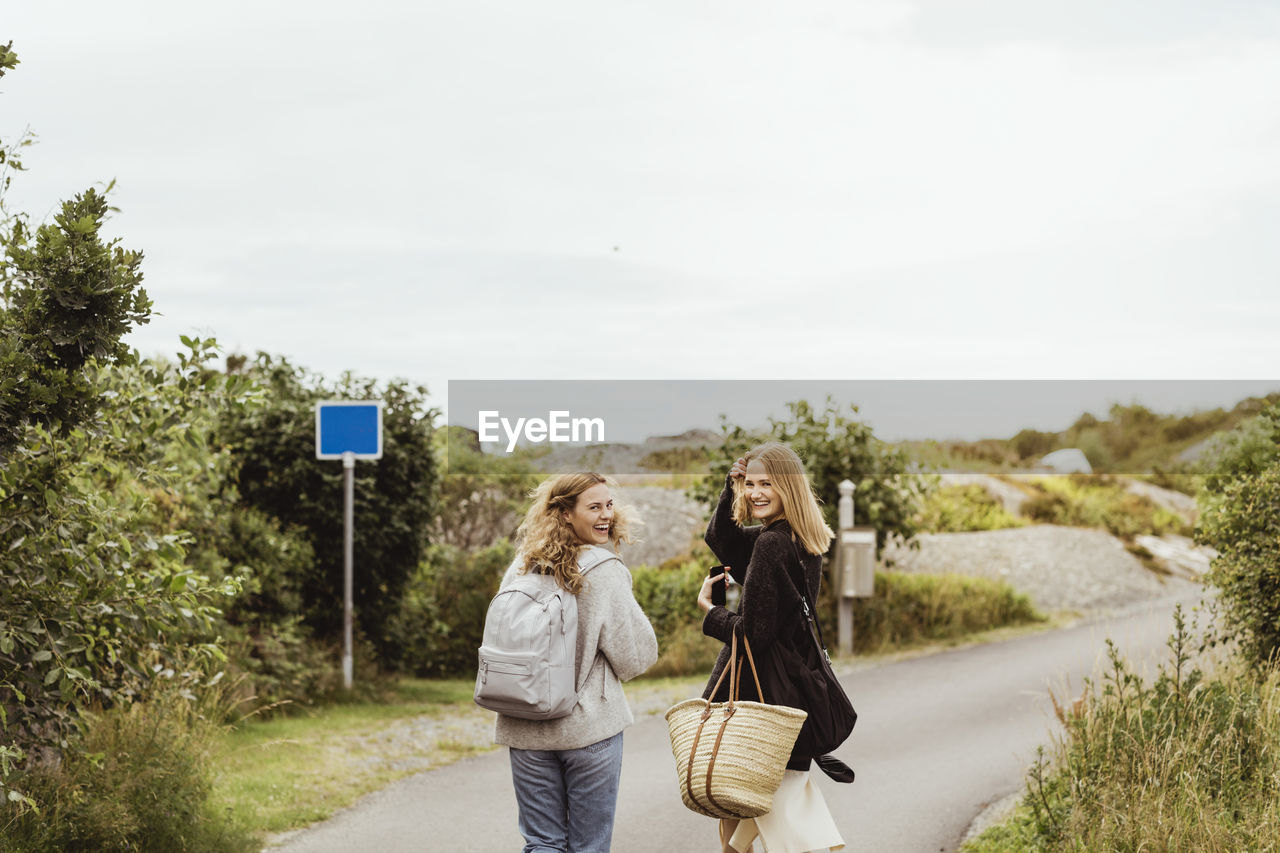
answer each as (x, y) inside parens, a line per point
(669, 594)
(1240, 517)
(685, 651)
(1182, 763)
(910, 608)
(440, 623)
(1032, 444)
(1100, 501)
(669, 597)
(139, 782)
(955, 509)
(1245, 528)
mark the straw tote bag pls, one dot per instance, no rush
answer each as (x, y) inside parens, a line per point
(730, 756)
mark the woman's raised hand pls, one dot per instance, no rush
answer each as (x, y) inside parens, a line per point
(739, 468)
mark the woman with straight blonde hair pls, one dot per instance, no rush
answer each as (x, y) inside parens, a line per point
(769, 533)
(566, 770)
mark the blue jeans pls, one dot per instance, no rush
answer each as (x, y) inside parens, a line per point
(567, 797)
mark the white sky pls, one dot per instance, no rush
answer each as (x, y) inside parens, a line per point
(465, 190)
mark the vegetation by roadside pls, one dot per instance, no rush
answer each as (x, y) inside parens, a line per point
(1191, 760)
(963, 508)
(1099, 501)
(281, 773)
(1187, 762)
(913, 609)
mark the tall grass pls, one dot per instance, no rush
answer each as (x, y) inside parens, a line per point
(141, 782)
(1184, 763)
(911, 608)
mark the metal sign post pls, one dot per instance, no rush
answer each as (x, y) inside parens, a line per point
(348, 430)
(348, 561)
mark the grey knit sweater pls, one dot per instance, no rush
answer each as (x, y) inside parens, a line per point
(615, 644)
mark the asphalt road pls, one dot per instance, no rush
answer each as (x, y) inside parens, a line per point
(938, 739)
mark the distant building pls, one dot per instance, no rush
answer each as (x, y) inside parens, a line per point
(1069, 460)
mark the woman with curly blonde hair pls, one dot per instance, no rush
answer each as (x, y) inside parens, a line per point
(566, 770)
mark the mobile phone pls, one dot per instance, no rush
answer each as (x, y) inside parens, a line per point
(718, 590)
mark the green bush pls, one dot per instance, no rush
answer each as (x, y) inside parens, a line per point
(669, 597)
(1032, 444)
(956, 509)
(1182, 763)
(1240, 517)
(669, 594)
(140, 783)
(910, 608)
(440, 623)
(1100, 501)
(1245, 528)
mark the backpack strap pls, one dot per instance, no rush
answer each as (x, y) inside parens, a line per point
(598, 560)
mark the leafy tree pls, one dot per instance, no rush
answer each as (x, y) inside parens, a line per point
(834, 448)
(69, 298)
(278, 474)
(95, 595)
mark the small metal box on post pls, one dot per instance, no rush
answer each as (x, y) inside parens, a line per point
(855, 565)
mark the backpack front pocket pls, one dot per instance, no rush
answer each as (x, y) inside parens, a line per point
(507, 677)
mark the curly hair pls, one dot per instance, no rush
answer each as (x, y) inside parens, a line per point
(548, 543)
(799, 503)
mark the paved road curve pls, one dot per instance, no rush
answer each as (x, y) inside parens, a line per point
(938, 738)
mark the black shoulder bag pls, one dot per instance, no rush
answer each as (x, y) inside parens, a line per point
(806, 681)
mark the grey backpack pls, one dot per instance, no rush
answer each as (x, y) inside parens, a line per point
(528, 659)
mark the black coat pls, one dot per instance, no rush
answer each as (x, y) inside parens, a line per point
(769, 609)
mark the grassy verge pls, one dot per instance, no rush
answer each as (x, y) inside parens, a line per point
(1186, 762)
(283, 773)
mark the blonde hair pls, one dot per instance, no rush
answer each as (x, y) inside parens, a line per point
(547, 542)
(799, 504)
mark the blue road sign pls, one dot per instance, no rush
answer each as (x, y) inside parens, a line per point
(349, 426)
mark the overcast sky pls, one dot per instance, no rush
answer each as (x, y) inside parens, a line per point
(868, 190)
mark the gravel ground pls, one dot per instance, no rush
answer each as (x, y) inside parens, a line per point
(1061, 568)
(672, 524)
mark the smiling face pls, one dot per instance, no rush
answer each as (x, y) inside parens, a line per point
(592, 515)
(765, 503)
